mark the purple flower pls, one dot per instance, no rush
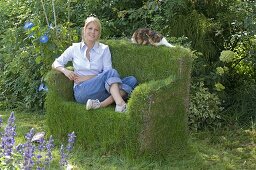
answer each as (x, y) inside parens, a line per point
(8, 136)
(49, 147)
(41, 144)
(63, 154)
(71, 141)
(29, 150)
(20, 148)
(40, 150)
(30, 135)
(63, 157)
(28, 156)
(32, 154)
(7, 145)
(11, 119)
(1, 120)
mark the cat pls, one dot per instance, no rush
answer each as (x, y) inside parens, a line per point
(146, 36)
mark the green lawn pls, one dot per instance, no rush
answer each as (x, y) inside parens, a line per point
(222, 149)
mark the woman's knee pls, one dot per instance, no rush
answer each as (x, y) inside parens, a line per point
(131, 81)
(134, 81)
(112, 73)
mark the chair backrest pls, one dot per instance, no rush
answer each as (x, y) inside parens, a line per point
(144, 62)
(147, 62)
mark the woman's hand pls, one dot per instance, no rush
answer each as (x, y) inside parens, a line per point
(70, 74)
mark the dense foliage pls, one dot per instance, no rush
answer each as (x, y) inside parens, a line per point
(25, 57)
(211, 28)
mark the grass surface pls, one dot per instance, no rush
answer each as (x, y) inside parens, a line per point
(158, 105)
(222, 149)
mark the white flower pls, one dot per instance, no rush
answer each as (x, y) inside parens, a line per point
(227, 56)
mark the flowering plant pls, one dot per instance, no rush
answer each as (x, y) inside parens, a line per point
(35, 152)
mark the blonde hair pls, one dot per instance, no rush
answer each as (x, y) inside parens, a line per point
(88, 21)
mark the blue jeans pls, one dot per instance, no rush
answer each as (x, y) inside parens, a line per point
(98, 87)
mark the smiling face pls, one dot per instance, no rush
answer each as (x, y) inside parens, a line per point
(91, 30)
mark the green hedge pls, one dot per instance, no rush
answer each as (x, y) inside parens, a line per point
(156, 121)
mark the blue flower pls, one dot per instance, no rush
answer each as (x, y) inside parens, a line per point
(28, 25)
(44, 38)
(42, 87)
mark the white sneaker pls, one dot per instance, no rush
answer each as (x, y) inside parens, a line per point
(92, 104)
(121, 108)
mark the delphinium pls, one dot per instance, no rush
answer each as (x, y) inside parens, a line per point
(7, 143)
(30, 155)
(49, 146)
(1, 122)
(64, 153)
(29, 150)
(63, 157)
(8, 137)
(40, 149)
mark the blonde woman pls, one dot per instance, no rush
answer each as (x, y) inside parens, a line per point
(96, 83)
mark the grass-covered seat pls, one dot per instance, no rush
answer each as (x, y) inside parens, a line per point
(156, 121)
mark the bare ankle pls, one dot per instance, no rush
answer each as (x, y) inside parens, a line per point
(121, 103)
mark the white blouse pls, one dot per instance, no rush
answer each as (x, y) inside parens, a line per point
(100, 59)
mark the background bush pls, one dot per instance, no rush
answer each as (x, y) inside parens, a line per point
(26, 60)
(204, 108)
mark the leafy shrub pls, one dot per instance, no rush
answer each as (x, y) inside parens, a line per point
(28, 61)
(204, 108)
(238, 62)
(25, 58)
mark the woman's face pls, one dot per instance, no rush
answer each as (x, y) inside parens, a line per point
(91, 32)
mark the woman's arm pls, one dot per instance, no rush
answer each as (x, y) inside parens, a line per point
(61, 61)
(68, 73)
(107, 60)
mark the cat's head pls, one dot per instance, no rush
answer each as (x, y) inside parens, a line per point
(155, 36)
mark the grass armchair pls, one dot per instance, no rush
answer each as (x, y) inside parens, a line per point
(156, 121)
